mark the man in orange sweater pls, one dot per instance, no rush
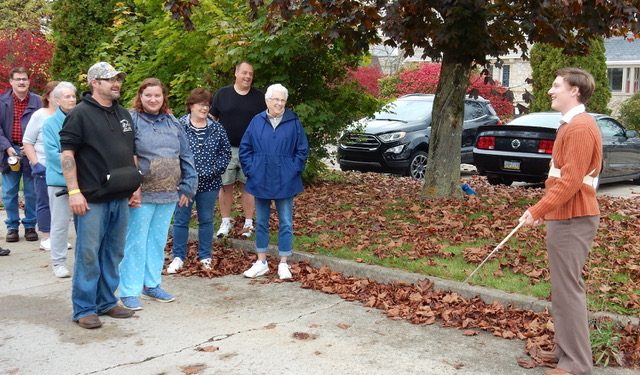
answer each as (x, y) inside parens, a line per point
(570, 210)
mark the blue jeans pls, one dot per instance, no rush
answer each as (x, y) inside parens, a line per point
(205, 206)
(285, 225)
(43, 213)
(144, 248)
(10, 187)
(99, 249)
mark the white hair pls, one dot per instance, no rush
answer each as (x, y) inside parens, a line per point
(64, 85)
(276, 87)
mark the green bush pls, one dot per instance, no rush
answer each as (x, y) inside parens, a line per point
(630, 112)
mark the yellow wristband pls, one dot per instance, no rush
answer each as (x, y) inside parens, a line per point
(74, 191)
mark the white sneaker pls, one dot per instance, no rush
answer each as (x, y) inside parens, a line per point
(175, 266)
(61, 271)
(247, 230)
(283, 271)
(206, 263)
(258, 269)
(225, 227)
(68, 245)
(45, 245)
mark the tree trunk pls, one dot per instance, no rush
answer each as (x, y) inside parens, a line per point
(442, 175)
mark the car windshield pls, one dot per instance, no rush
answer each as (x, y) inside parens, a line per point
(405, 110)
(538, 119)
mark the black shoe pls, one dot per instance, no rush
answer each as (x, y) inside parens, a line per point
(4, 252)
(12, 235)
(30, 234)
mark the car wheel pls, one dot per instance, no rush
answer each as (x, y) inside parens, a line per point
(418, 165)
(499, 180)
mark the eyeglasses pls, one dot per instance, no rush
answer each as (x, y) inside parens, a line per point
(20, 79)
(112, 79)
(278, 100)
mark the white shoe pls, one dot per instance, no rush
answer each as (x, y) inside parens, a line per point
(68, 245)
(225, 227)
(45, 245)
(61, 271)
(258, 269)
(175, 266)
(206, 263)
(283, 271)
(247, 230)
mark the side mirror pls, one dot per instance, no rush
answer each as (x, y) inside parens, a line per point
(631, 134)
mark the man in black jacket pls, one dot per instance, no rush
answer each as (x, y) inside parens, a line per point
(97, 160)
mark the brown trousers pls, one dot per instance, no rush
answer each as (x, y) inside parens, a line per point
(568, 245)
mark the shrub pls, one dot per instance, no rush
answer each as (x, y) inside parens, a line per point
(367, 77)
(422, 80)
(630, 112)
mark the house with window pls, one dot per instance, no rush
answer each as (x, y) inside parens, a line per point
(623, 69)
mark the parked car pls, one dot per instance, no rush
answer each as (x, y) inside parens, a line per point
(521, 150)
(396, 139)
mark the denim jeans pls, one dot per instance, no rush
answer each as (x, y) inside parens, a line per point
(205, 206)
(10, 187)
(43, 213)
(285, 225)
(99, 250)
(144, 249)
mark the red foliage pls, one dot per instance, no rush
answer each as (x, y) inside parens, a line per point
(30, 49)
(367, 77)
(422, 80)
(493, 92)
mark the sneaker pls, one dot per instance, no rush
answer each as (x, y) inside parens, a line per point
(68, 245)
(61, 271)
(175, 266)
(158, 294)
(131, 303)
(206, 263)
(247, 230)
(225, 227)
(258, 269)
(45, 245)
(283, 271)
(30, 234)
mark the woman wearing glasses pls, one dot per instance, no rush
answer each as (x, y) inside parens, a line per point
(273, 153)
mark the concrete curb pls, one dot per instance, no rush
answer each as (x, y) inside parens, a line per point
(389, 275)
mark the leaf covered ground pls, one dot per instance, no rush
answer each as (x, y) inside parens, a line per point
(382, 219)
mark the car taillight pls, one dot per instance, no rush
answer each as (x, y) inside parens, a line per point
(545, 146)
(486, 143)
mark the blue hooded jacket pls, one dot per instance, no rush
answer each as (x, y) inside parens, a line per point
(273, 159)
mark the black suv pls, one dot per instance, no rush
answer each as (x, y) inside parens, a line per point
(396, 139)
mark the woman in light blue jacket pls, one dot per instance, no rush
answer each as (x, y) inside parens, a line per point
(64, 95)
(273, 152)
(168, 176)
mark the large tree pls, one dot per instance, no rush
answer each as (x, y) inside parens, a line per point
(32, 15)
(461, 34)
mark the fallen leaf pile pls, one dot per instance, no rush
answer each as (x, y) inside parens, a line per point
(387, 217)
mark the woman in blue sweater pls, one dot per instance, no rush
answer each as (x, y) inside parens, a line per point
(212, 152)
(168, 176)
(64, 95)
(273, 152)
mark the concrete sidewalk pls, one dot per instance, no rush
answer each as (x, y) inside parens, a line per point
(241, 327)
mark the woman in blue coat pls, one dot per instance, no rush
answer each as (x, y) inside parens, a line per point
(273, 152)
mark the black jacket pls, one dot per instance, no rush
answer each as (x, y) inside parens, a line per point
(103, 141)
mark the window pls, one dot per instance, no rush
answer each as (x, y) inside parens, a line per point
(636, 79)
(610, 128)
(472, 110)
(627, 81)
(506, 71)
(615, 79)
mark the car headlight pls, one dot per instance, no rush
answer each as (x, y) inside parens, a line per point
(391, 137)
(395, 150)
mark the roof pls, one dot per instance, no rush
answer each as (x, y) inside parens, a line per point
(620, 49)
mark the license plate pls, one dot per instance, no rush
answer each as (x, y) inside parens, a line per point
(512, 165)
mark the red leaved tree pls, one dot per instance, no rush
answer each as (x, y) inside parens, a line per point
(501, 97)
(367, 77)
(26, 48)
(422, 80)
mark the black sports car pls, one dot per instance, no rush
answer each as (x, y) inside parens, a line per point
(521, 150)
